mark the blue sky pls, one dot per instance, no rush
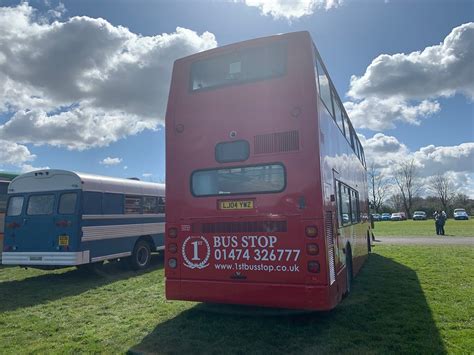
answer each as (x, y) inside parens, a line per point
(349, 36)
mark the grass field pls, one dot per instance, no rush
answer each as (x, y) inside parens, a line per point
(406, 299)
(424, 228)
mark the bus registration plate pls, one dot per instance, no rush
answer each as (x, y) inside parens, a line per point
(63, 240)
(236, 205)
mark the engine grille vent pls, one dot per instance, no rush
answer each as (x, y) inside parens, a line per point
(277, 142)
(240, 227)
(329, 226)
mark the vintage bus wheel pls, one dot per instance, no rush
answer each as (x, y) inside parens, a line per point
(141, 256)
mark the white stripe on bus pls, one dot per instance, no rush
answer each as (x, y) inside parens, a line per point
(91, 233)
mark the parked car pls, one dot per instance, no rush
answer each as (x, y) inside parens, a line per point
(396, 217)
(403, 215)
(460, 213)
(376, 217)
(419, 216)
(385, 217)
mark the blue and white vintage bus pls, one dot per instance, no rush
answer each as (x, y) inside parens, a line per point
(58, 218)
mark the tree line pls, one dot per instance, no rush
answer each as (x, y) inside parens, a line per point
(402, 192)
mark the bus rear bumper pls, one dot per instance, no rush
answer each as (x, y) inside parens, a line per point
(303, 297)
(46, 258)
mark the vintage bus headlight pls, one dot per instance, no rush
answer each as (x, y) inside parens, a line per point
(172, 263)
(311, 231)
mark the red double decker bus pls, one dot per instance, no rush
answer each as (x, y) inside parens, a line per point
(265, 179)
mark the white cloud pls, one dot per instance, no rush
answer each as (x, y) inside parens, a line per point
(380, 114)
(83, 82)
(111, 161)
(291, 9)
(403, 87)
(14, 154)
(25, 168)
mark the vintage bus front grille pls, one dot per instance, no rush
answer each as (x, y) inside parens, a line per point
(240, 227)
(277, 142)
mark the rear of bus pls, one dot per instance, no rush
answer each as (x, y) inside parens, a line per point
(41, 223)
(244, 221)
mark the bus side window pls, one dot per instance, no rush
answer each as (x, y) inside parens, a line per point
(161, 205)
(354, 206)
(324, 88)
(150, 204)
(338, 113)
(112, 203)
(133, 204)
(3, 196)
(92, 202)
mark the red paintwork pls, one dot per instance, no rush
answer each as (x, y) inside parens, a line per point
(252, 109)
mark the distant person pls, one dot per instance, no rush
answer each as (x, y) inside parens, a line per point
(440, 219)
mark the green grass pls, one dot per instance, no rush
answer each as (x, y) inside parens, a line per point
(414, 299)
(423, 228)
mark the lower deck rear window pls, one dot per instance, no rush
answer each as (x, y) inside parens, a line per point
(239, 180)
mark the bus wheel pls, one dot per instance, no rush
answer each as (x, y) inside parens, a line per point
(141, 256)
(349, 271)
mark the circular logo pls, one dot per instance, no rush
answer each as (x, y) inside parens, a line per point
(196, 252)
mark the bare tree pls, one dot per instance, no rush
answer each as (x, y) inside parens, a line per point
(408, 184)
(443, 188)
(379, 187)
(396, 202)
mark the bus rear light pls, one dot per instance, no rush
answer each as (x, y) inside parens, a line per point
(7, 248)
(13, 225)
(172, 263)
(172, 232)
(312, 249)
(311, 231)
(314, 267)
(172, 248)
(63, 223)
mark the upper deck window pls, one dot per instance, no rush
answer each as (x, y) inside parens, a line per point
(325, 89)
(239, 67)
(239, 180)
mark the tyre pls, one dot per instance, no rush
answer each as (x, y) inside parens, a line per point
(141, 256)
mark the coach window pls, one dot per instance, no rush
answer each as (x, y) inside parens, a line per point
(150, 204)
(112, 203)
(161, 205)
(346, 123)
(133, 204)
(15, 205)
(67, 203)
(92, 202)
(324, 88)
(40, 205)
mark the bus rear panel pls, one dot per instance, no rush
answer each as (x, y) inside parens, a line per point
(247, 219)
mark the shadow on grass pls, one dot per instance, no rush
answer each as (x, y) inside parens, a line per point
(386, 313)
(44, 288)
